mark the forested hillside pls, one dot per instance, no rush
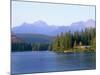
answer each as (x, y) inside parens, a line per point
(76, 41)
(30, 42)
(64, 42)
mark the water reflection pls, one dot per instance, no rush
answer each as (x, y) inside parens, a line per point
(46, 61)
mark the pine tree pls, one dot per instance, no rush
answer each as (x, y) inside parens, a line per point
(61, 41)
(56, 44)
(75, 44)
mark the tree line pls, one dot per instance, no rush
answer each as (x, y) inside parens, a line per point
(70, 40)
(16, 47)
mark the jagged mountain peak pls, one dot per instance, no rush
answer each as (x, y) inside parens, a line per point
(41, 27)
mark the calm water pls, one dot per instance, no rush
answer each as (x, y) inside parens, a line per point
(47, 61)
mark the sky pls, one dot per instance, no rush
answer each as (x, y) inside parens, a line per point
(52, 14)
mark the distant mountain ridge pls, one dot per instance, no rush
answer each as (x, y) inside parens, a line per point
(36, 38)
(41, 27)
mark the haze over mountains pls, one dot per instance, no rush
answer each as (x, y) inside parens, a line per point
(41, 27)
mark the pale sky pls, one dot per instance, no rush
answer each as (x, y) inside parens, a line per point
(52, 14)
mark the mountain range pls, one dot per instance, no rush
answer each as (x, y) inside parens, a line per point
(41, 27)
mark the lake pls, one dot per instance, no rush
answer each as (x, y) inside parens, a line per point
(48, 61)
